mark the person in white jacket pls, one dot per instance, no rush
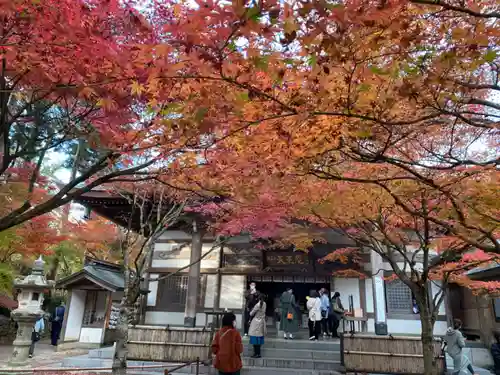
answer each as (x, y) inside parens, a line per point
(314, 308)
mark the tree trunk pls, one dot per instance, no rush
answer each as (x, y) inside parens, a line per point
(119, 366)
(427, 334)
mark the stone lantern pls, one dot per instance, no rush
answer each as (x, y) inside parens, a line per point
(30, 301)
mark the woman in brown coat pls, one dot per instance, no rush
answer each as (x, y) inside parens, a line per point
(227, 347)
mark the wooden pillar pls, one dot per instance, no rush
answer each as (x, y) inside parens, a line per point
(193, 286)
(218, 280)
(217, 287)
(447, 305)
(378, 288)
(486, 321)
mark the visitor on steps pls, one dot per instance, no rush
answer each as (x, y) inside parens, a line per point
(251, 297)
(289, 322)
(227, 347)
(455, 342)
(38, 329)
(325, 310)
(337, 314)
(257, 329)
(314, 308)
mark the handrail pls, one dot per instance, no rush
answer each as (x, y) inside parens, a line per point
(99, 369)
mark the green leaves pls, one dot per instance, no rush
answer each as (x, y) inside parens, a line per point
(200, 114)
(261, 62)
(6, 279)
(376, 70)
(312, 60)
(490, 56)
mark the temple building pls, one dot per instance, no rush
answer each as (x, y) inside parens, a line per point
(219, 281)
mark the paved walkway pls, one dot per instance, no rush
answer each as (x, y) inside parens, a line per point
(44, 356)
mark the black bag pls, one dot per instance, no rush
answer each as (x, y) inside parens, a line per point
(323, 313)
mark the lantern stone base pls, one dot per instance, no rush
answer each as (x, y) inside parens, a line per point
(25, 321)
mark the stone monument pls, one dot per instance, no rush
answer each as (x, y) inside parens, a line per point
(29, 310)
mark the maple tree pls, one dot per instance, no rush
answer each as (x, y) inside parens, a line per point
(389, 98)
(69, 90)
(346, 87)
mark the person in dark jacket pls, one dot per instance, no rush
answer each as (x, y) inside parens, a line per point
(337, 314)
(252, 297)
(495, 353)
(57, 321)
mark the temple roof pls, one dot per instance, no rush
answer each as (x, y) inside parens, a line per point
(95, 275)
(120, 210)
(485, 272)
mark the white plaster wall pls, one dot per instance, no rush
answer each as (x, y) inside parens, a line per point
(409, 327)
(180, 235)
(153, 290)
(210, 291)
(370, 308)
(91, 335)
(183, 258)
(436, 287)
(75, 315)
(347, 287)
(232, 291)
(163, 318)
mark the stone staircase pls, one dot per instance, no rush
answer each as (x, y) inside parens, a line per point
(294, 357)
(279, 357)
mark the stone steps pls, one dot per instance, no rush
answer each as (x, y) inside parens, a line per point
(296, 354)
(283, 371)
(289, 363)
(293, 357)
(302, 344)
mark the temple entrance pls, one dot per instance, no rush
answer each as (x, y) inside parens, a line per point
(273, 291)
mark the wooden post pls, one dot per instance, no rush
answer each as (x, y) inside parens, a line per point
(193, 276)
(378, 293)
(486, 321)
(218, 283)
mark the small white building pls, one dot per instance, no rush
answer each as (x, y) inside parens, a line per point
(93, 296)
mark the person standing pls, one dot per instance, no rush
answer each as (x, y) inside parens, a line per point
(337, 314)
(35, 335)
(258, 327)
(455, 342)
(325, 310)
(314, 308)
(57, 322)
(252, 297)
(227, 347)
(289, 323)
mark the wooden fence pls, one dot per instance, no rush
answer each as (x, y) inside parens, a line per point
(168, 344)
(386, 354)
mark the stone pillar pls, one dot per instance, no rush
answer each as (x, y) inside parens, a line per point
(193, 276)
(378, 293)
(29, 311)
